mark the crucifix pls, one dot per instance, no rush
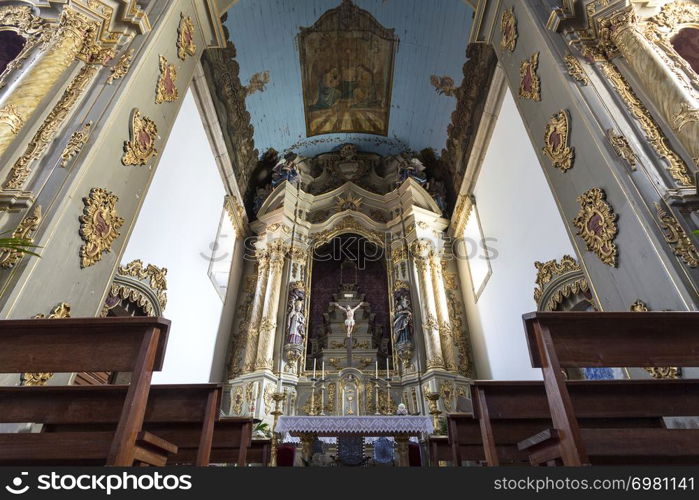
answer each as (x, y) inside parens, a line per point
(349, 325)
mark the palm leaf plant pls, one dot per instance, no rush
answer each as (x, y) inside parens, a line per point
(21, 245)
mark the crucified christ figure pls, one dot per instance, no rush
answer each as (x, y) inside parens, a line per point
(349, 313)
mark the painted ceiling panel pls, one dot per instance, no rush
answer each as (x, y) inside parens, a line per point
(432, 41)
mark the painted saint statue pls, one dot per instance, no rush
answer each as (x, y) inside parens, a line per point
(349, 313)
(296, 324)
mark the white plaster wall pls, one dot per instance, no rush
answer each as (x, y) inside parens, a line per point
(177, 224)
(516, 208)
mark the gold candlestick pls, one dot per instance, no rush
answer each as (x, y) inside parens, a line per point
(278, 397)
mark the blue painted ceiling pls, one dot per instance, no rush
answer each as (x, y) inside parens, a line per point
(433, 35)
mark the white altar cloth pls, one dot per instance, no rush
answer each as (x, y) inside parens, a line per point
(369, 425)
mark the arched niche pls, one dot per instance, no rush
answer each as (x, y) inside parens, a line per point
(686, 44)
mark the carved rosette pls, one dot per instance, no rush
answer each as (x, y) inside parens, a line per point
(186, 45)
(9, 258)
(166, 90)
(530, 84)
(575, 70)
(596, 223)
(557, 140)
(99, 225)
(677, 238)
(141, 144)
(508, 28)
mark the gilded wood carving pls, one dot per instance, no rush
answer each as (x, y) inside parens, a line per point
(76, 143)
(677, 238)
(141, 144)
(186, 46)
(530, 84)
(508, 28)
(9, 258)
(575, 70)
(622, 148)
(166, 89)
(99, 225)
(596, 223)
(119, 70)
(556, 141)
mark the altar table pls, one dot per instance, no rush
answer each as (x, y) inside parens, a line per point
(400, 427)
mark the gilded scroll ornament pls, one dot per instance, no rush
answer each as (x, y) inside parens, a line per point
(677, 168)
(638, 306)
(549, 270)
(685, 116)
(119, 70)
(575, 70)
(447, 392)
(444, 85)
(9, 258)
(530, 84)
(61, 311)
(257, 83)
(186, 45)
(141, 144)
(10, 116)
(76, 143)
(556, 141)
(677, 238)
(622, 148)
(508, 28)
(99, 225)
(166, 90)
(156, 277)
(49, 128)
(596, 223)
(238, 400)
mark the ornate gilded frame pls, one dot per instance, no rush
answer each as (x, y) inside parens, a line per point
(35, 31)
(596, 223)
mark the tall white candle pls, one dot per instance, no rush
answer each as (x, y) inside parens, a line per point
(377, 370)
(388, 376)
(314, 367)
(279, 384)
(322, 371)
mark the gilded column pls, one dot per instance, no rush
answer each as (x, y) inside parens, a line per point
(37, 82)
(675, 99)
(445, 329)
(256, 312)
(421, 251)
(268, 323)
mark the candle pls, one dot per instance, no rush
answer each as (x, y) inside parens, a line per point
(279, 384)
(322, 371)
(314, 367)
(377, 370)
(388, 376)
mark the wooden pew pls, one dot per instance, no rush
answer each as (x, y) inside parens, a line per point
(560, 340)
(510, 412)
(132, 344)
(178, 413)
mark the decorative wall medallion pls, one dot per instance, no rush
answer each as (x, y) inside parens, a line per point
(530, 84)
(575, 70)
(257, 83)
(508, 27)
(596, 223)
(99, 225)
(556, 140)
(141, 144)
(9, 258)
(10, 116)
(677, 238)
(76, 143)
(185, 38)
(444, 85)
(122, 66)
(166, 90)
(622, 148)
(349, 202)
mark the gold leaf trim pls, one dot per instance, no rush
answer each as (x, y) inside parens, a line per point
(99, 225)
(547, 271)
(596, 223)
(677, 168)
(508, 28)
(11, 117)
(575, 70)
(9, 258)
(677, 238)
(76, 143)
(529, 67)
(121, 68)
(622, 148)
(186, 45)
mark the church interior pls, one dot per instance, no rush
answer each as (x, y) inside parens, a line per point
(419, 233)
